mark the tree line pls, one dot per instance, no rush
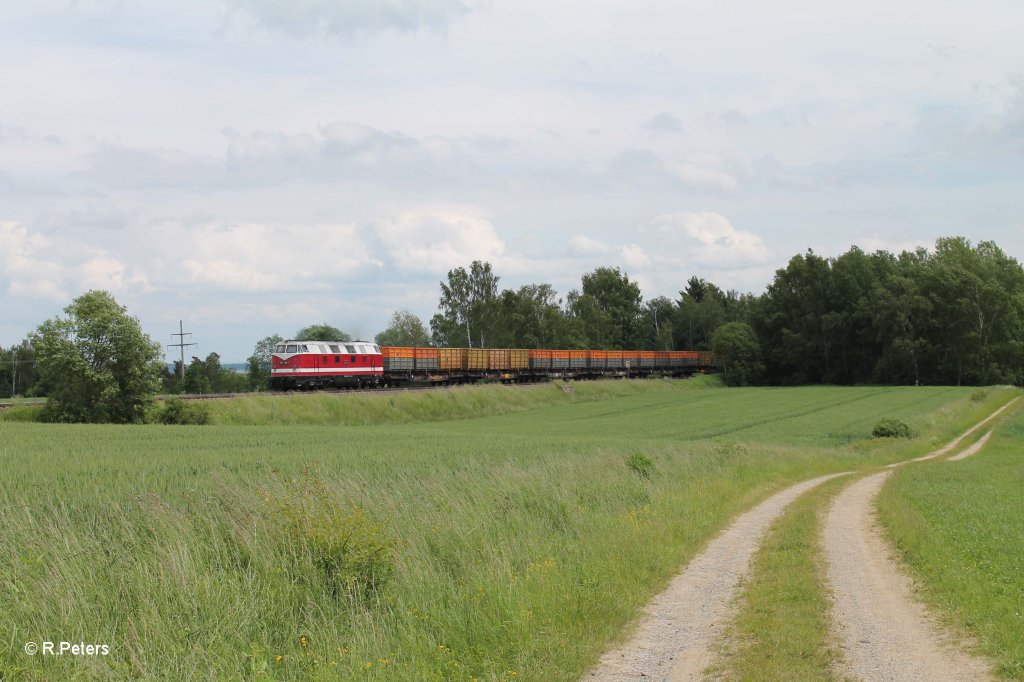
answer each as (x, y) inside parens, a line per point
(951, 315)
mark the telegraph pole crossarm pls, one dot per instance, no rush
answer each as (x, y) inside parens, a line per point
(181, 346)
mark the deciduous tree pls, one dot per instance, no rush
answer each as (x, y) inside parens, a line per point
(98, 364)
(405, 329)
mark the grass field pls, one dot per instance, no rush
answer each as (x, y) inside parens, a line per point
(513, 546)
(959, 526)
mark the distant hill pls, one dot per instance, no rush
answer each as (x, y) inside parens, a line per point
(239, 367)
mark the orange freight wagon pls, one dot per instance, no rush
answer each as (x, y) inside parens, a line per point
(578, 359)
(518, 358)
(452, 359)
(398, 358)
(597, 359)
(683, 358)
(540, 359)
(427, 359)
(498, 359)
(559, 359)
(614, 359)
(476, 359)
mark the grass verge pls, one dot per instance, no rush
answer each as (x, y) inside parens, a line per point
(959, 528)
(441, 404)
(783, 627)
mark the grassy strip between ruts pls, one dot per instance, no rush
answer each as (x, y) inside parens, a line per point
(523, 543)
(959, 528)
(782, 630)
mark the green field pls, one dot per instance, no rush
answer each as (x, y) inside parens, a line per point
(959, 526)
(421, 546)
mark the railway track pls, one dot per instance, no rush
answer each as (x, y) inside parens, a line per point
(327, 391)
(331, 391)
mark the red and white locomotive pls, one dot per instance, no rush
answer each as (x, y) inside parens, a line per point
(325, 364)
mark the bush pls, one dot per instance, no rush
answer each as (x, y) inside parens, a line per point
(178, 411)
(640, 464)
(892, 428)
(355, 555)
(22, 413)
(979, 395)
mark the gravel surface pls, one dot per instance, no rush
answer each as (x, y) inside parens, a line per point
(885, 633)
(674, 636)
(893, 638)
(971, 450)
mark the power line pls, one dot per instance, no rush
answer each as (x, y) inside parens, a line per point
(181, 345)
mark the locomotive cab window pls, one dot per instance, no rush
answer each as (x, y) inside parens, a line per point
(279, 348)
(292, 348)
(305, 348)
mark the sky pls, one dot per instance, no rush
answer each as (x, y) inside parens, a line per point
(255, 166)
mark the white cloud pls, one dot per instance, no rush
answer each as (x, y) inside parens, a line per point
(874, 243)
(102, 272)
(711, 240)
(582, 245)
(272, 257)
(26, 262)
(438, 238)
(634, 257)
(346, 17)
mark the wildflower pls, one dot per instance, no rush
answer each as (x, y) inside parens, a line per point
(278, 658)
(303, 642)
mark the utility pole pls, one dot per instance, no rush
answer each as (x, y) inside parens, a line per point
(181, 345)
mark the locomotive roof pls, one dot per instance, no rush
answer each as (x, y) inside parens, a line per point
(372, 343)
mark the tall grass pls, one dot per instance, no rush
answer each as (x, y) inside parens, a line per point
(517, 546)
(459, 402)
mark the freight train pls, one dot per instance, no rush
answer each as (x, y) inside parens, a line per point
(359, 364)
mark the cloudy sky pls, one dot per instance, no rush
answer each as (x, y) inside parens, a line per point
(252, 166)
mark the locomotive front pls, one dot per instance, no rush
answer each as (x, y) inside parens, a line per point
(308, 365)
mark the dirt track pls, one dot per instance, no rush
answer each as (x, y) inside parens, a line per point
(673, 639)
(885, 633)
(971, 450)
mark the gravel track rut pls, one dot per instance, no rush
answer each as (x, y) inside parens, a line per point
(885, 633)
(674, 636)
(673, 639)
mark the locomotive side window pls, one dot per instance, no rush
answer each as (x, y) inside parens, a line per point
(350, 349)
(305, 348)
(334, 348)
(292, 348)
